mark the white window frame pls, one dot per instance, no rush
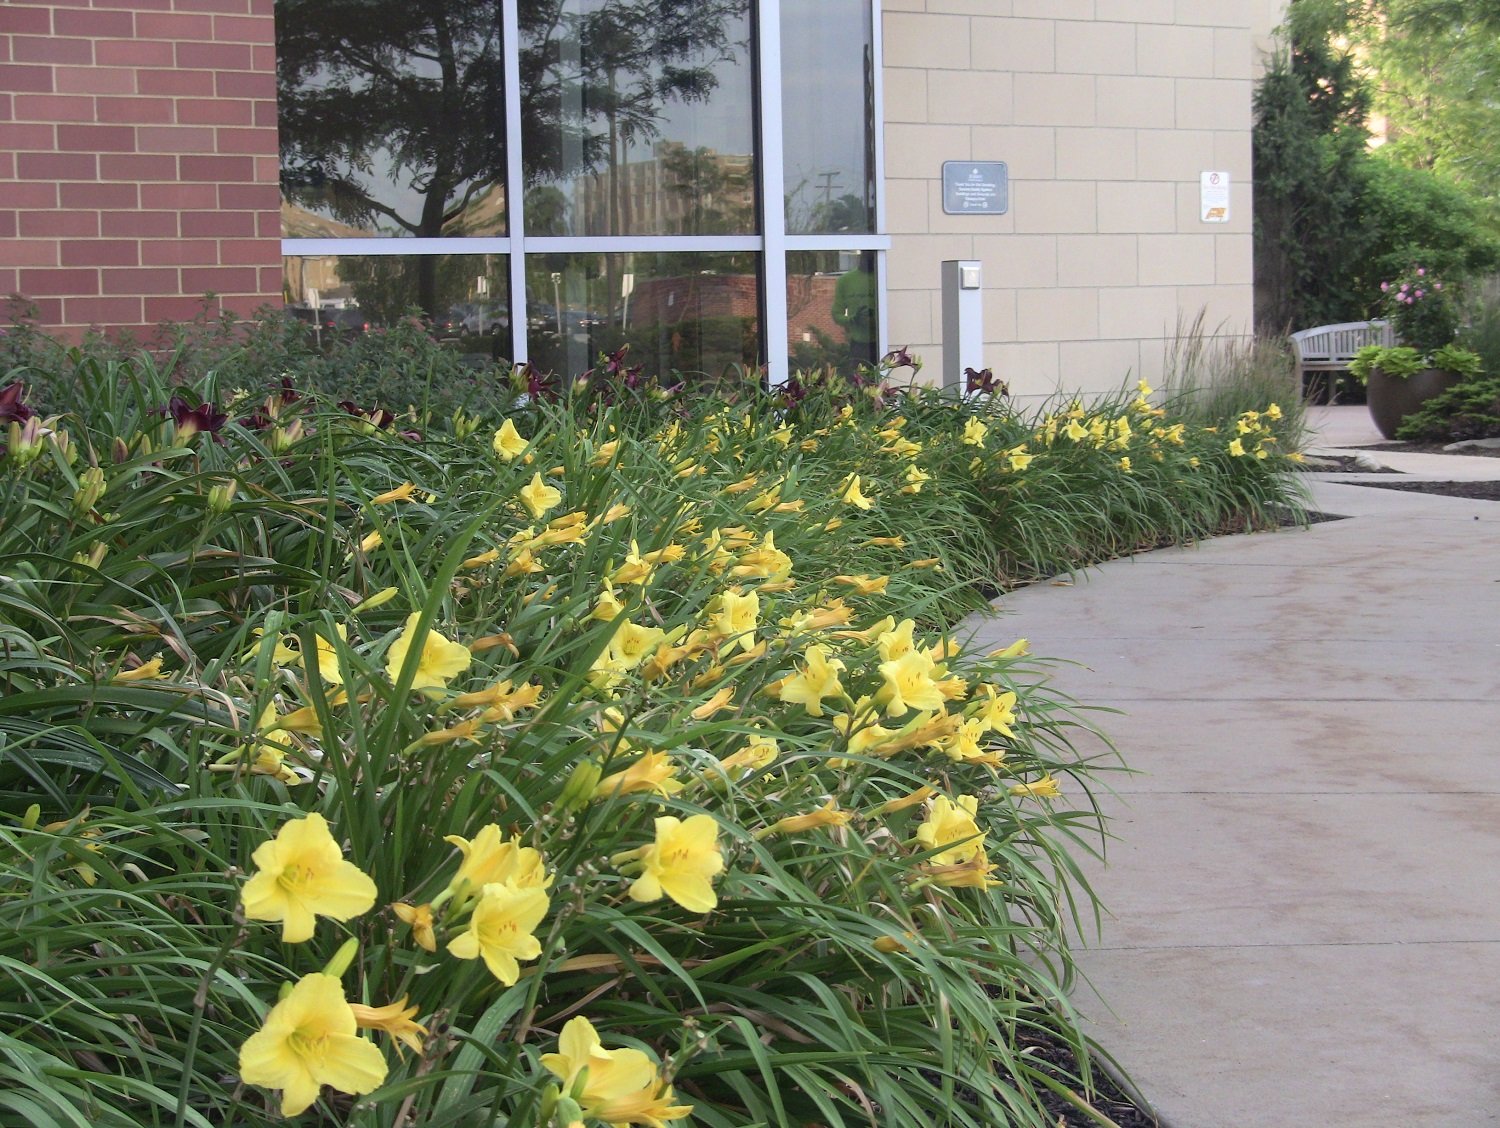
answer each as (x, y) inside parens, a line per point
(771, 244)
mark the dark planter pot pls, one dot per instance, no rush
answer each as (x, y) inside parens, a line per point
(1393, 398)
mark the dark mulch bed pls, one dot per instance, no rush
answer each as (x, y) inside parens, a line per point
(1434, 448)
(1344, 464)
(1473, 491)
(1109, 1098)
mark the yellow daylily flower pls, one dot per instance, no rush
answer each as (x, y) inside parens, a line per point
(538, 497)
(307, 1041)
(736, 619)
(952, 830)
(653, 772)
(974, 432)
(419, 917)
(489, 858)
(863, 584)
(759, 751)
(1018, 649)
(765, 561)
(915, 477)
(896, 641)
(826, 815)
(620, 1087)
(1044, 788)
(834, 613)
(819, 678)
(501, 929)
(849, 493)
(301, 874)
(720, 701)
(997, 710)
(489, 556)
(681, 863)
(327, 655)
(441, 659)
(402, 492)
(635, 570)
(146, 671)
(395, 1019)
(909, 685)
(508, 442)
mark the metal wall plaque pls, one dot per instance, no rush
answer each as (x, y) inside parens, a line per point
(975, 188)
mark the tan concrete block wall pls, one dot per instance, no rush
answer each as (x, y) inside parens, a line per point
(1106, 112)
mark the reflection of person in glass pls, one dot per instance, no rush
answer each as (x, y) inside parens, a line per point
(854, 310)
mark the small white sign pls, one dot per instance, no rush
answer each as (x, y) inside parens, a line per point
(1214, 191)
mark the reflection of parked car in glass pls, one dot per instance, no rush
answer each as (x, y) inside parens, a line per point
(448, 327)
(486, 317)
(350, 321)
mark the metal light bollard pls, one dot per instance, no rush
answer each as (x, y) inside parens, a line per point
(963, 320)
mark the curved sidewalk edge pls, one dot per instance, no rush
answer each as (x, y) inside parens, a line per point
(1305, 924)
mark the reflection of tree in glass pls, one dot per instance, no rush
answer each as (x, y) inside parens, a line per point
(391, 114)
(385, 286)
(813, 210)
(622, 63)
(546, 211)
(713, 189)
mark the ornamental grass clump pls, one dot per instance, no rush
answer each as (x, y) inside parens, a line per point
(615, 764)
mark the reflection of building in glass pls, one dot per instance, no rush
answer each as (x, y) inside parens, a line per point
(675, 191)
(809, 308)
(482, 215)
(312, 278)
(693, 297)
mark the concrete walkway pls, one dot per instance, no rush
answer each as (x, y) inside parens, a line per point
(1305, 886)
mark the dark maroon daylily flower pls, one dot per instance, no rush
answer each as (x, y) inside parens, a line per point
(190, 420)
(377, 417)
(898, 358)
(538, 383)
(12, 410)
(984, 381)
(793, 392)
(614, 365)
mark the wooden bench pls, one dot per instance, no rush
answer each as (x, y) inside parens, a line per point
(1330, 348)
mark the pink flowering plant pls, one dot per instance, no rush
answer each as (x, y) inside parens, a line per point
(1423, 310)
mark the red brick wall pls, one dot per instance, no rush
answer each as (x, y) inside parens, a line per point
(138, 161)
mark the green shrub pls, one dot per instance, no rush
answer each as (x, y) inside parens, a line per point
(1469, 411)
(1399, 361)
(402, 369)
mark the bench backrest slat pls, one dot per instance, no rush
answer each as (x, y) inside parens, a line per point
(1339, 343)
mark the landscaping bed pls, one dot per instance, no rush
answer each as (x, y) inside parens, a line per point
(1434, 448)
(603, 726)
(1473, 491)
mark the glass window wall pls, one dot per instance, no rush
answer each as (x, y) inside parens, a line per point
(832, 310)
(352, 294)
(638, 117)
(697, 315)
(828, 89)
(392, 118)
(631, 134)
